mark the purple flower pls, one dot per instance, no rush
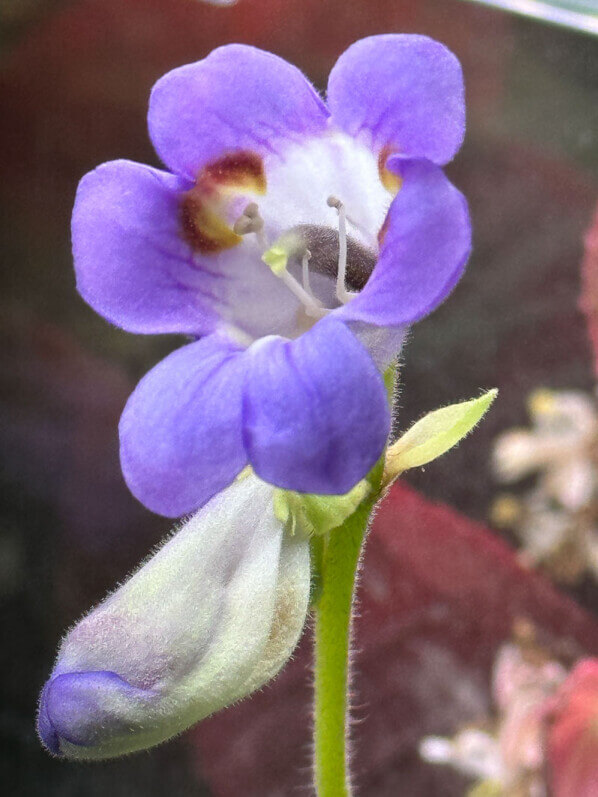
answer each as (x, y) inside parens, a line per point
(294, 242)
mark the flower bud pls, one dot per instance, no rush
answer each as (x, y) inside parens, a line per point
(209, 618)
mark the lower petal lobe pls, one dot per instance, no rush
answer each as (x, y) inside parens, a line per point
(426, 240)
(315, 414)
(180, 432)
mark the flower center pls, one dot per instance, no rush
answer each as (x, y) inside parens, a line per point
(308, 249)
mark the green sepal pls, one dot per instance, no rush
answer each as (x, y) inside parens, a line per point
(317, 514)
(390, 382)
(435, 434)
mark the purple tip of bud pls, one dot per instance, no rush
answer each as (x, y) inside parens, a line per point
(81, 708)
(45, 729)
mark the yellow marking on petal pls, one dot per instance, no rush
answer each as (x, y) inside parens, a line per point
(247, 471)
(242, 171)
(204, 226)
(391, 181)
(203, 209)
(383, 230)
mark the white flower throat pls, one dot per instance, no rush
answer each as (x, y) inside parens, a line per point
(313, 248)
(296, 234)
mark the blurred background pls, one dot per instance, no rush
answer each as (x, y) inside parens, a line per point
(441, 593)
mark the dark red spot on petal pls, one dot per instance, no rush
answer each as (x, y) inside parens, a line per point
(204, 227)
(243, 170)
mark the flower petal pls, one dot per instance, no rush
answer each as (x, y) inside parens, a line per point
(425, 247)
(180, 432)
(132, 265)
(315, 415)
(400, 92)
(238, 98)
(211, 617)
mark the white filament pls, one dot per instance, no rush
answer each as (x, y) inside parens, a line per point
(250, 222)
(341, 291)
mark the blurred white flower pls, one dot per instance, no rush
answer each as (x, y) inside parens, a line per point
(473, 751)
(557, 520)
(559, 446)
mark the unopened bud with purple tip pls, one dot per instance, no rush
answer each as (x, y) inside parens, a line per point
(211, 617)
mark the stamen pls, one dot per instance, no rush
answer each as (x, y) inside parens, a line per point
(277, 258)
(313, 307)
(261, 237)
(244, 226)
(318, 310)
(252, 211)
(341, 291)
(237, 334)
(251, 222)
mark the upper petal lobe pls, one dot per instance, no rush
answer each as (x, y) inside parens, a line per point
(238, 98)
(402, 93)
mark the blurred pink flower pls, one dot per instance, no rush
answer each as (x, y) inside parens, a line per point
(572, 741)
(521, 685)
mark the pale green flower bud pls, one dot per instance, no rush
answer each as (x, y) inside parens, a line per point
(212, 616)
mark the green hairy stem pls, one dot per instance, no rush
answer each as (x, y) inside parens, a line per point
(340, 559)
(335, 561)
(337, 555)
